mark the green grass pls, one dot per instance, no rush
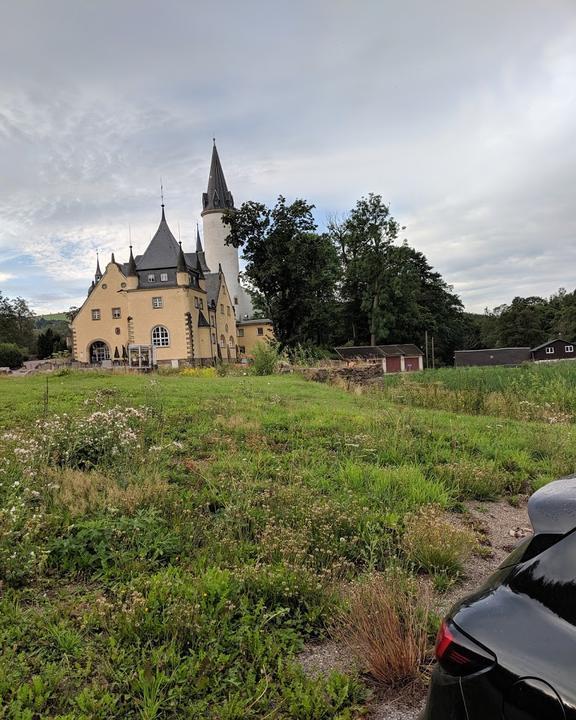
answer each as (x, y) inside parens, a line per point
(532, 391)
(171, 565)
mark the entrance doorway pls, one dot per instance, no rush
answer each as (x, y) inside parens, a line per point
(99, 352)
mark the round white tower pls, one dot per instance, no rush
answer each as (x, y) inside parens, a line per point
(215, 201)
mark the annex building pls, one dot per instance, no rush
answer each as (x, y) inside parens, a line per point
(172, 307)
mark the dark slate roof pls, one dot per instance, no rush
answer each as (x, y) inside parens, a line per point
(492, 356)
(163, 250)
(378, 351)
(550, 342)
(202, 322)
(212, 286)
(217, 196)
(130, 265)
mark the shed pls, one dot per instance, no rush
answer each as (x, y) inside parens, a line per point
(394, 358)
(557, 349)
(492, 356)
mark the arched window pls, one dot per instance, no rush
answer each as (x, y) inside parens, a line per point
(99, 351)
(160, 336)
(222, 341)
(231, 341)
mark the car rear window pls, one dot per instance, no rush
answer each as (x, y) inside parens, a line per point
(550, 577)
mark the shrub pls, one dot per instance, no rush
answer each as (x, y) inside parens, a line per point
(11, 355)
(435, 544)
(199, 372)
(265, 359)
(385, 627)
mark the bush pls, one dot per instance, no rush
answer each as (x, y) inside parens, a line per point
(385, 627)
(435, 544)
(266, 358)
(11, 355)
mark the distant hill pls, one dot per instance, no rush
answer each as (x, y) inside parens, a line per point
(57, 321)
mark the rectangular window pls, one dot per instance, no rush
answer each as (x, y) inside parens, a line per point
(240, 332)
(569, 348)
(549, 350)
(235, 301)
(96, 314)
(228, 310)
(196, 302)
(116, 315)
(213, 338)
(260, 331)
(151, 277)
(163, 277)
(242, 349)
(157, 302)
(201, 304)
(221, 309)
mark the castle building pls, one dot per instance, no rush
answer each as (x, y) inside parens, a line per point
(168, 306)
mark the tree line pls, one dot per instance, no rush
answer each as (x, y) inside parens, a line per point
(524, 322)
(357, 283)
(23, 335)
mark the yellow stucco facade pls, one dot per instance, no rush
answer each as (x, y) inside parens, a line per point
(252, 332)
(177, 322)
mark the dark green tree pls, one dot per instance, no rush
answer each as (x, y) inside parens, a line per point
(525, 322)
(16, 322)
(291, 269)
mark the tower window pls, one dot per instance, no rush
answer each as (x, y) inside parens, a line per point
(235, 301)
(157, 303)
(228, 310)
(116, 314)
(160, 336)
(163, 277)
(96, 314)
(221, 309)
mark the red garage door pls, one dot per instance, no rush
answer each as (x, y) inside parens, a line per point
(411, 364)
(393, 364)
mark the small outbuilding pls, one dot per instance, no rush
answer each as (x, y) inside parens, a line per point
(558, 349)
(394, 358)
(492, 356)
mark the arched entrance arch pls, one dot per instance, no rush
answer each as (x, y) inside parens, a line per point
(98, 351)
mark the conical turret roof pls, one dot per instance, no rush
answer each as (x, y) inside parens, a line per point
(217, 196)
(163, 250)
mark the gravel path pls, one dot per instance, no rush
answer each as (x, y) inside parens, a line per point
(499, 526)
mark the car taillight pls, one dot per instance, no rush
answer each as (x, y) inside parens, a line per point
(458, 654)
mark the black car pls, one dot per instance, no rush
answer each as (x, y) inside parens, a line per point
(508, 652)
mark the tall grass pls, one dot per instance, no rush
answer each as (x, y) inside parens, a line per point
(531, 391)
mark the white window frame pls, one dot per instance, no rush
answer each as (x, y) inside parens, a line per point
(96, 314)
(160, 336)
(569, 348)
(549, 350)
(157, 302)
(116, 313)
(240, 332)
(163, 277)
(151, 277)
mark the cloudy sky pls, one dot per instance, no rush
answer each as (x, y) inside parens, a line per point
(461, 114)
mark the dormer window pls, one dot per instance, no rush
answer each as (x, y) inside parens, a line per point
(151, 277)
(163, 277)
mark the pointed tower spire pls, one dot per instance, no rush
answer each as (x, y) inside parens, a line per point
(98, 273)
(199, 247)
(162, 200)
(131, 264)
(217, 196)
(181, 266)
(113, 259)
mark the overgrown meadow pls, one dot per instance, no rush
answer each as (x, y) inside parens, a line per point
(168, 544)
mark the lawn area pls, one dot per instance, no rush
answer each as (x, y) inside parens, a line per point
(168, 543)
